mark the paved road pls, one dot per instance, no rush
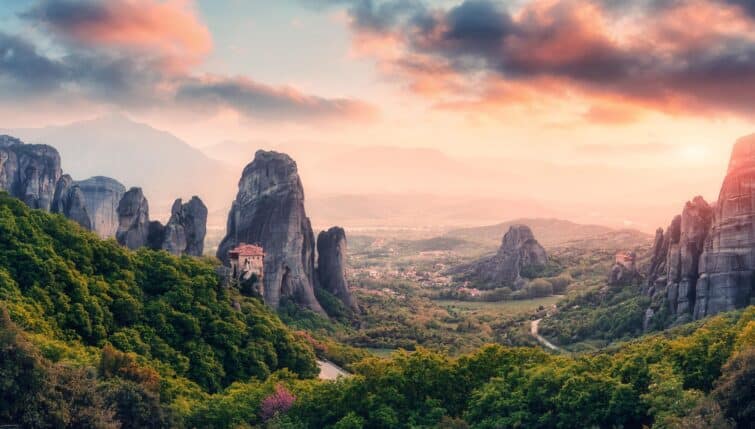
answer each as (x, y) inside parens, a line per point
(533, 330)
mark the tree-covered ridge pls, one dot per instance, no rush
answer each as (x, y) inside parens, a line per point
(698, 374)
(93, 335)
(63, 283)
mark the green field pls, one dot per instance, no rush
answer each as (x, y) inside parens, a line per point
(500, 307)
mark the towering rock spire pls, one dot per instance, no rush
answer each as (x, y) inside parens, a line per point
(269, 211)
(710, 250)
(728, 261)
(519, 250)
(331, 262)
(133, 215)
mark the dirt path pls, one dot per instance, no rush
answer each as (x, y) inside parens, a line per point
(533, 330)
(330, 371)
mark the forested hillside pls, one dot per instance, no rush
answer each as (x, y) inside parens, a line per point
(94, 335)
(75, 295)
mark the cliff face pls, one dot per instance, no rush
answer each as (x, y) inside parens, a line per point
(269, 211)
(728, 261)
(92, 203)
(29, 172)
(519, 250)
(102, 196)
(331, 255)
(710, 251)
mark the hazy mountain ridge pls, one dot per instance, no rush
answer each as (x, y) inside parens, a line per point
(556, 233)
(137, 154)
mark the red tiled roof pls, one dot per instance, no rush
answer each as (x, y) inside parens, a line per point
(247, 250)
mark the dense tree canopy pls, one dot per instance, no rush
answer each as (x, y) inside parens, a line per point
(93, 335)
(66, 284)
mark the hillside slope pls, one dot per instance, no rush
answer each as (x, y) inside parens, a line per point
(65, 284)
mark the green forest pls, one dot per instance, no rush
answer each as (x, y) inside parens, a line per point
(94, 335)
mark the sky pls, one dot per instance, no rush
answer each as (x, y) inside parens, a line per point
(662, 87)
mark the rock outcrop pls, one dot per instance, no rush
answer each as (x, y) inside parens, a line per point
(269, 211)
(728, 260)
(519, 251)
(133, 219)
(331, 261)
(92, 203)
(183, 234)
(29, 172)
(704, 263)
(185, 231)
(102, 196)
(70, 201)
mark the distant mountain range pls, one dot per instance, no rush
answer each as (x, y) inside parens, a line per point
(556, 233)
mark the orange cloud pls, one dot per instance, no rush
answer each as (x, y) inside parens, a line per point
(171, 29)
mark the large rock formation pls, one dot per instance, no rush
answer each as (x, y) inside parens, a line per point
(185, 231)
(133, 219)
(331, 255)
(29, 172)
(519, 251)
(102, 196)
(70, 201)
(704, 262)
(269, 211)
(182, 235)
(92, 203)
(728, 261)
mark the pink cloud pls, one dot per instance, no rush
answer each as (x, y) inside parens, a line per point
(170, 29)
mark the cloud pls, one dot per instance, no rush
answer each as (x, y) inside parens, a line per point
(607, 114)
(624, 149)
(169, 29)
(26, 70)
(693, 57)
(258, 100)
(141, 54)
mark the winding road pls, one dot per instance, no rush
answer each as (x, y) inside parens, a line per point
(533, 330)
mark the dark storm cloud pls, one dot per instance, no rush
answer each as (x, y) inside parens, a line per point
(21, 65)
(258, 100)
(67, 13)
(705, 65)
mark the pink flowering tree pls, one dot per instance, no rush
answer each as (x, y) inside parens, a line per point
(277, 403)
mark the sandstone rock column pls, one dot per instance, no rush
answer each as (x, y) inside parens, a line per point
(331, 262)
(269, 211)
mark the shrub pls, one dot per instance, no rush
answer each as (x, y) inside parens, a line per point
(539, 288)
(560, 283)
(277, 403)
